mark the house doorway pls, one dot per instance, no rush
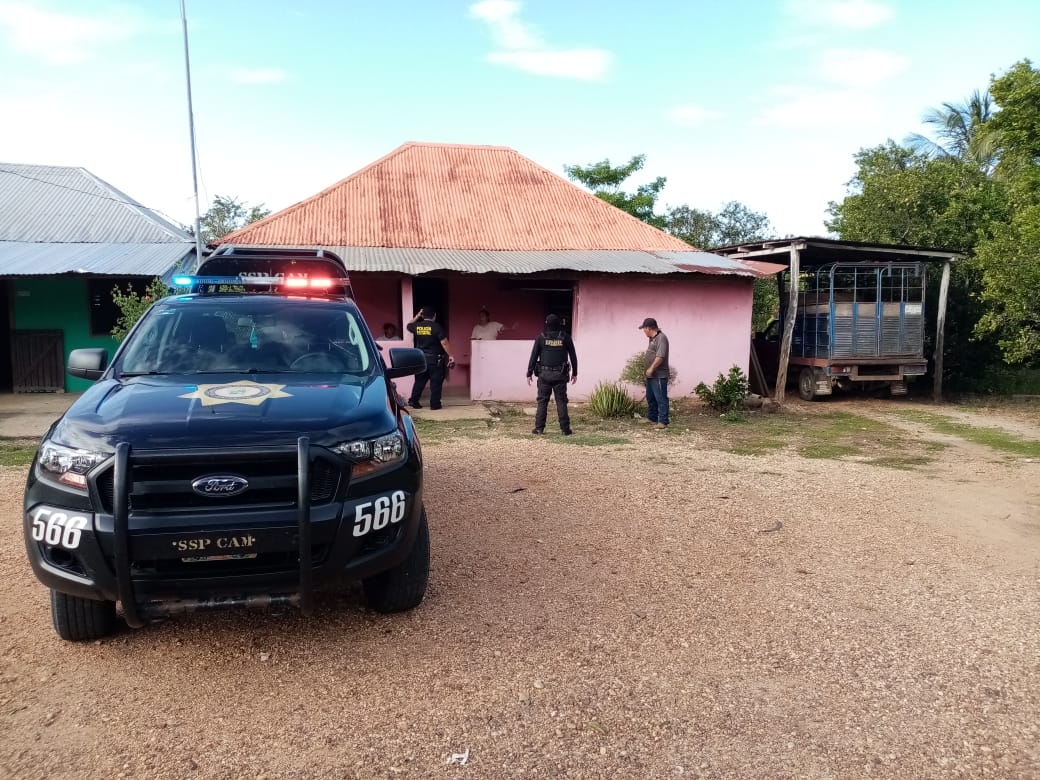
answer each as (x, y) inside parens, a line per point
(561, 303)
(428, 291)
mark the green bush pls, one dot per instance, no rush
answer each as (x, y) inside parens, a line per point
(133, 305)
(727, 394)
(635, 371)
(611, 399)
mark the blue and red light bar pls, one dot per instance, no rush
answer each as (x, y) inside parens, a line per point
(289, 282)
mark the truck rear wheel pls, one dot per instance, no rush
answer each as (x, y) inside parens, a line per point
(81, 620)
(402, 587)
(807, 384)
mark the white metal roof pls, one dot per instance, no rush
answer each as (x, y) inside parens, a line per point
(59, 220)
(415, 262)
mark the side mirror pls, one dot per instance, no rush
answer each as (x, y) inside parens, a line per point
(88, 363)
(405, 361)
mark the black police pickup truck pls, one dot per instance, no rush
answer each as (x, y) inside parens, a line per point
(243, 447)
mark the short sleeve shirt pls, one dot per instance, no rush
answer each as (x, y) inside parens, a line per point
(487, 332)
(428, 335)
(658, 348)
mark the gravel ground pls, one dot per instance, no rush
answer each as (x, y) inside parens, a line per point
(652, 609)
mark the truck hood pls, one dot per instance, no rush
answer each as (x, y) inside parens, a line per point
(226, 410)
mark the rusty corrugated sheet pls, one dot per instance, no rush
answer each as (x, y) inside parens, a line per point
(451, 196)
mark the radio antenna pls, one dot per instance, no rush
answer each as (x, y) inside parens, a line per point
(191, 133)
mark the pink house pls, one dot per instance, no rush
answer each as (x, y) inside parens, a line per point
(469, 227)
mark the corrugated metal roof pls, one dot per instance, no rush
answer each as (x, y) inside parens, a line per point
(49, 203)
(24, 258)
(415, 262)
(814, 250)
(453, 196)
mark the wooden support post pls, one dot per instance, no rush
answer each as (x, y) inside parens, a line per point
(940, 325)
(789, 315)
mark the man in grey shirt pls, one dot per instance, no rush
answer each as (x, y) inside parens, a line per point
(656, 373)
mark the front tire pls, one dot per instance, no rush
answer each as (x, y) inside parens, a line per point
(807, 384)
(402, 587)
(82, 620)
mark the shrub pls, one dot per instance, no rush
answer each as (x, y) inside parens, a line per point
(133, 305)
(610, 399)
(727, 394)
(635, 371)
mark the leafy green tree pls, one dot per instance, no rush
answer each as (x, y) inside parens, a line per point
(709, 230)
(605, 180)
(1017, 125)
(1011, 286)
(1010, 258)
(734, 224)
(227, 215)
(132, 305)
(899, 196)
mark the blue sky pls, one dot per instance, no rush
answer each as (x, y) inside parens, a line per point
(756, 101)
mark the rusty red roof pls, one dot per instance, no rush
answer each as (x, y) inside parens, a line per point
(455, 196)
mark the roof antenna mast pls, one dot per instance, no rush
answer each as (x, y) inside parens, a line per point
(191, 133)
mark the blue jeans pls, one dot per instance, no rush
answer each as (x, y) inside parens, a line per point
(657, 400)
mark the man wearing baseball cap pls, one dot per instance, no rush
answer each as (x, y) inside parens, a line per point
(656, 359)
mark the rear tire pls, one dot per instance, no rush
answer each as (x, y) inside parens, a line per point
(807, 384)
(402, 587)
(81, 620)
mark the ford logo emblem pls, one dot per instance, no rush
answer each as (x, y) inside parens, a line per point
(220, 485)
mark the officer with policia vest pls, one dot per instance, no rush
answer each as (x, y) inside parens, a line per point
(433, 341)
(549, 360)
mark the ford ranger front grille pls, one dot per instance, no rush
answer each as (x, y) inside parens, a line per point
(162, 485)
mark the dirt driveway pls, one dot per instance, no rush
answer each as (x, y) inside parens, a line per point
(629, 604)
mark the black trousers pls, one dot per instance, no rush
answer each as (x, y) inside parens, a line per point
(558, 389)
(434, 374)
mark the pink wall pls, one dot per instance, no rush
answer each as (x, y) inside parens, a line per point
(707, 320)
(379, 298)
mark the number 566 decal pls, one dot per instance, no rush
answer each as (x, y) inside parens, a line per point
(377, 515)
(58, 529)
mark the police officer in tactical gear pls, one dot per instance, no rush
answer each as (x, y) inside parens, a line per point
(549, 360)
(433, 341)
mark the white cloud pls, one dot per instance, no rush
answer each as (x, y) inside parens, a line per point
(820, 109)
(63, 38)
(581, 64)
(845, 14)
(860, 67)
(253, 76)
(506, 28)
(690, 115)
(521, 47)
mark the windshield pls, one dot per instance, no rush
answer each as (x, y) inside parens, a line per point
(248, 334)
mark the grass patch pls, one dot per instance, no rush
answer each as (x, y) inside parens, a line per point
(814, 434)
(756, 447)
(17, 452)
(827, 451)
(994, 438)
(431, 431)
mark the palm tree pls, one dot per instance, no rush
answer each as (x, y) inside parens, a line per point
(962, 132)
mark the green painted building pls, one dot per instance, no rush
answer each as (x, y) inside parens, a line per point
(67, 239)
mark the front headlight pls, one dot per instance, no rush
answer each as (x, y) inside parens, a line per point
(68, 465)
(370, 456)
